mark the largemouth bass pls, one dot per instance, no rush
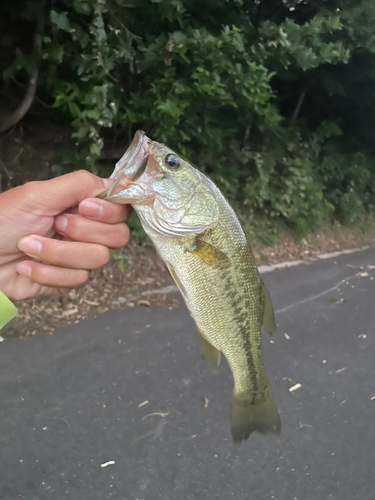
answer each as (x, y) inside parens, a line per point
(201, 241)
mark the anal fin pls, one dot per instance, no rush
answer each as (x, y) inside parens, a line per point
(210, 353)
(268, 323)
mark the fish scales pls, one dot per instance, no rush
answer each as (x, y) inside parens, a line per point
(200, 239)
(228, 313)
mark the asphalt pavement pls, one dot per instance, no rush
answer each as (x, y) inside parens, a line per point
(123, 407)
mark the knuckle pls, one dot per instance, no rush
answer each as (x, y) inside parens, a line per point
(42, 274)
(83, 176)
(122, 236)
(126, 234)
(28, 190)
(103, 256)
(73, 226)
(77, 228)
(81, 278)
(125, 237)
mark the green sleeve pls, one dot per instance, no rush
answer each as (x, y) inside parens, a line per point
(7, 310)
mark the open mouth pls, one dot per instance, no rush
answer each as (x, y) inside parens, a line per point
(138, 149)
(133, 173)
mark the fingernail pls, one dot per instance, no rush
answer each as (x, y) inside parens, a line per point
(61, 222)
(24, 269)
(30, 245)
(91, 208)
(107, 182)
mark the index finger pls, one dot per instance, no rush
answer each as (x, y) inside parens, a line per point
(104, 211)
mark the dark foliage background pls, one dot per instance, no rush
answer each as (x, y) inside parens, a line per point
(275, 99)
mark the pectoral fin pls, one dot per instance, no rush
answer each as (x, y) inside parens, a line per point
(209, 254)
(269, 323)
(210, 353)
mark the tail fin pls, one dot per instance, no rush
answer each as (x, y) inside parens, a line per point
(248, 417)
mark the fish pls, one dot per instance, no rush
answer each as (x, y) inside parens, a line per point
(200, 239)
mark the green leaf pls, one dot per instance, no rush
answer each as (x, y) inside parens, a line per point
(60, 20)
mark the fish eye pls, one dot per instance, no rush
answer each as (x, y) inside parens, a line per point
(172, 161)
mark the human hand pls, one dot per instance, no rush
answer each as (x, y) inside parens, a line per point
(52, 234)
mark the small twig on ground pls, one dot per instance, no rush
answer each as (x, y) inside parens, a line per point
(156, 413)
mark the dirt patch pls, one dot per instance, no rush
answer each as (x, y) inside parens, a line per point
(119, 285)
(330, 238)
(136, 270)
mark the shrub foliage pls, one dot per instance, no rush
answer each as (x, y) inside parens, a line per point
(275, 99)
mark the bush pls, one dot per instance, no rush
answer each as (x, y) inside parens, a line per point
(256, 95)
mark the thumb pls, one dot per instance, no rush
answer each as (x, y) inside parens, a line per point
(50, 198)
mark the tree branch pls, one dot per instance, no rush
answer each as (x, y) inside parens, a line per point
(299, 104)
(8, 175)
(29, 96)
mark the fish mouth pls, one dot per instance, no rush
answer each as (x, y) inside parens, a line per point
(133, 173)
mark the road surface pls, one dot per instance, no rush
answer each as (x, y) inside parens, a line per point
(130, 390)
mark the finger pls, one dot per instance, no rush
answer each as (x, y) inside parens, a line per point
(104, 211)
(52, 276)
(69, 254)
(85, 230)
(49, 198)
